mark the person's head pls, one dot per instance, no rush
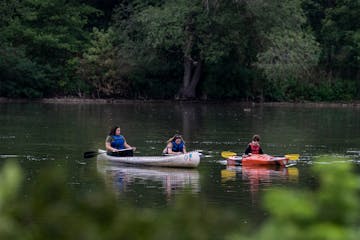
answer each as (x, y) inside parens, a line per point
(114, 131)
(256, 138)
(177, 138)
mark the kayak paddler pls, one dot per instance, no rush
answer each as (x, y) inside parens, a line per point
(254, 146)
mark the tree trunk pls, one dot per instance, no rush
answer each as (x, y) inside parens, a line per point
(187, 72)
(192, 69)
(192, 74)
(195, 79)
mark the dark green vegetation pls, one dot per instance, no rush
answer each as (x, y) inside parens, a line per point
(273, 50)
(53, 210)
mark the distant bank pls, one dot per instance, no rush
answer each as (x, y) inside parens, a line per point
(355, 104)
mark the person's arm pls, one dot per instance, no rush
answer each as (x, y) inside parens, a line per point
(169, 148)
(261, 151)
(108, 145)
(248, 150)
(184, 149)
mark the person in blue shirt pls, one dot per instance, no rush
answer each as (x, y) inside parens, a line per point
(116, 144)
(175, 145)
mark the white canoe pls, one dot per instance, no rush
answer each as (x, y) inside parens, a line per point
(187, 160)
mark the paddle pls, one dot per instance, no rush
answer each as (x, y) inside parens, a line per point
(91, 154)
(293, 157)
(227, 154)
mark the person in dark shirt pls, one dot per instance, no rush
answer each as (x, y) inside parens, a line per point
(254, 146)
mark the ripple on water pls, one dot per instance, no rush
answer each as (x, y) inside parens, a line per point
(7, 137)
(9, 156)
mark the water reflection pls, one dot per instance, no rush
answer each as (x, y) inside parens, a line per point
(122, 178)
(259, 177)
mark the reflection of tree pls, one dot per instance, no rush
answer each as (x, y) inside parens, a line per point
(191, 119)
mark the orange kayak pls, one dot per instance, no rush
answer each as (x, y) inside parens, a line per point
(260, 159)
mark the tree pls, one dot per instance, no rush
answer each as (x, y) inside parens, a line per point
(288, 50)
(171, 27)
(290, 54)
(197, 33)
(102, 68)
(49, 34)
(338, 31)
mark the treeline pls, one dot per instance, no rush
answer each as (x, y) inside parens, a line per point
(255, 50)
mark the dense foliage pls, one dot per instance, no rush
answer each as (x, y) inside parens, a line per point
(53, 210)
(272, 50)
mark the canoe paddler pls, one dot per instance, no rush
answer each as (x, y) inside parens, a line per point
(175, 145)
(116, 144)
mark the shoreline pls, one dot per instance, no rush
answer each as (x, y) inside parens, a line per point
(354, 104)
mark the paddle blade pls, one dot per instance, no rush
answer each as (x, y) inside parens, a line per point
(227, 154)
(292, 156)
(90, 154)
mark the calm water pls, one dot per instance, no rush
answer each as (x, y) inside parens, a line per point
(57, 135)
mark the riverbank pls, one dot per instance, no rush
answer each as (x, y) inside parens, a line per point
(355, 104)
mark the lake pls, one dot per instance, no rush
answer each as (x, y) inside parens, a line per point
(55, 135)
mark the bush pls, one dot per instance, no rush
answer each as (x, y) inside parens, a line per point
(52, 210)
